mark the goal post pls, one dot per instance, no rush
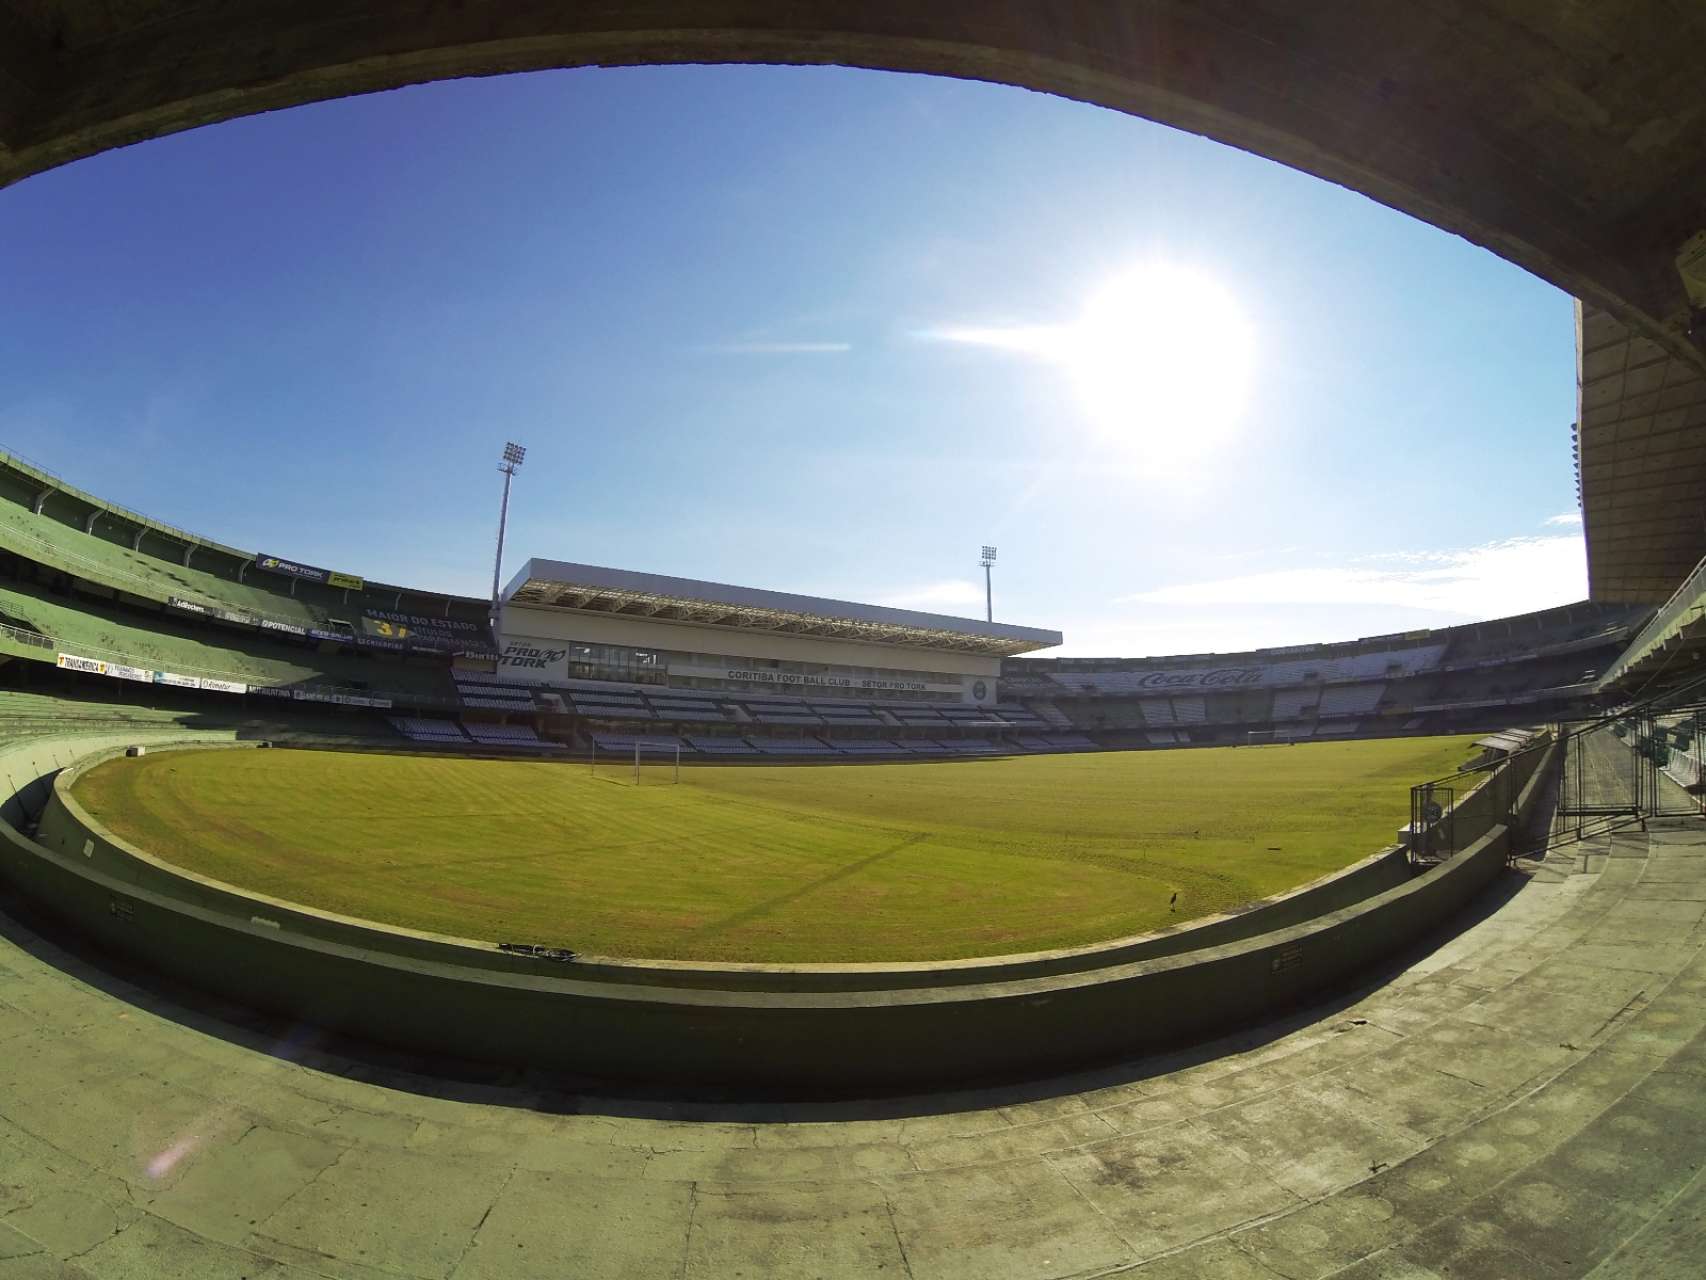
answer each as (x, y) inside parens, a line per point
(640, 764)
(656, 764)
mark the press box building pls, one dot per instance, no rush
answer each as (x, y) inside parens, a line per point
(561, 623)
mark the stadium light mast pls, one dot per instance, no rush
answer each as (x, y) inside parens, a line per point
(514, 455)
(988, 591)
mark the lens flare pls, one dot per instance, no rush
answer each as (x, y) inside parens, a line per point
(1161, 359)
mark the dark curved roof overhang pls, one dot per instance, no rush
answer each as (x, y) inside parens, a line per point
(1641, 459)
(1569, 139)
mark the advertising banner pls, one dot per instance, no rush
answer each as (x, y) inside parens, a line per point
(421, 631)
(310, 695)
(808, 682)
(531, 660)
(121, 672)
(357, 700)
(308, 572)
(224, 615)
(403, 623)
(175, 680)
(92, 666)
(224, 686)
(271, 690)
(1218, 678)
(289, 628)
(290, 569)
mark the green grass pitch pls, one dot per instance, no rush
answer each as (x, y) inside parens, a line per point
(855, 862)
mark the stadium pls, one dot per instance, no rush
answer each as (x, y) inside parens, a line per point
(643, 673)
(799, 934)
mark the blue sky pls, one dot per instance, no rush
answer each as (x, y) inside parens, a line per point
(775, 326)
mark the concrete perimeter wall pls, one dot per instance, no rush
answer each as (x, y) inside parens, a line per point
(816, 1027)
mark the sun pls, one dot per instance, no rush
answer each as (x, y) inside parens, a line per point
(1161, 359)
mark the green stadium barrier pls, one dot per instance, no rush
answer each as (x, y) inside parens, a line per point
(105, 557)
(644, 1022)
(87, 629)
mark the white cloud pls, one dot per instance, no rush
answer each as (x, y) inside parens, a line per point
(934, 597)
(1567, 517)
(1252, 552)
(1514, 575)
(1032, 340)
(777, 348)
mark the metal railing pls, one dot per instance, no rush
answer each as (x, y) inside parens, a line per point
(65, 486)
(1690, 595)
(1449, 814)
(35, 639)
(104, 571)
(1616, 770)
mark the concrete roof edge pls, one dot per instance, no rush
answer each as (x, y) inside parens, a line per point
(701, 592)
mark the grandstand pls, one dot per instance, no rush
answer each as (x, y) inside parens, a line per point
(1482, 675)
(66, 534)
(507, 735)
(160, 642)
(100, 591)
(25, 714)
(593, 657)
(1524, 1102)
(424, 729)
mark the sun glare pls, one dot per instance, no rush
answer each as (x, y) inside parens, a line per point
(1161, 358)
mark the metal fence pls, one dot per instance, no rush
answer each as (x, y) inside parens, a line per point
(59, 482)
(1644, 762)
(1640, 764)
(1449, 814)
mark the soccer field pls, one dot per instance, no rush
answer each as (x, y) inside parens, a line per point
(856, 862)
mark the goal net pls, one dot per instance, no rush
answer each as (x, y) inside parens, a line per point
(1269, 737)
(638, 764)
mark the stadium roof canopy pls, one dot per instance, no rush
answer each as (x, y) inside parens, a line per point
(1667, 653)
(1567, 138)
(1640, 460)
(585, 588)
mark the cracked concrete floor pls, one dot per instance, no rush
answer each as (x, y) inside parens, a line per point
(1529, 1099)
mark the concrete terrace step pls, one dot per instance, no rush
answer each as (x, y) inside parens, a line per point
(1524, 1100)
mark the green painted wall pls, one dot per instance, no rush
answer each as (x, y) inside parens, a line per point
(472, 1002)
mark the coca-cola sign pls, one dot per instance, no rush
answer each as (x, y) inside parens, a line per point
(1218, 678)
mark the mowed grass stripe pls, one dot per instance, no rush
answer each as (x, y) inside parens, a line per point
(852, 862)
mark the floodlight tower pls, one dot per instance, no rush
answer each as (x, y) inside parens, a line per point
(514, 455)
(988, 592)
